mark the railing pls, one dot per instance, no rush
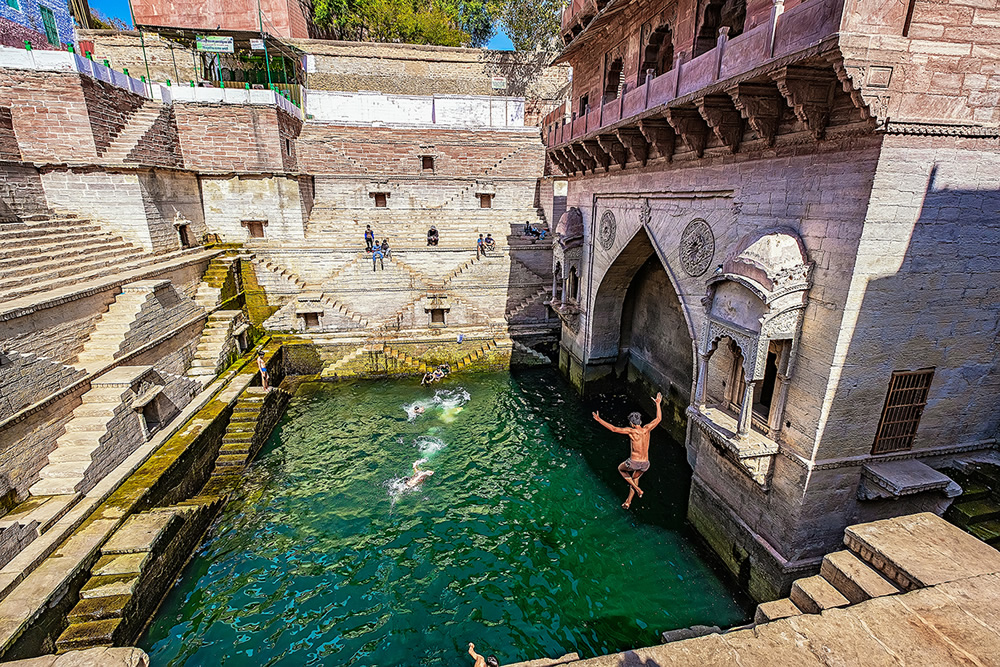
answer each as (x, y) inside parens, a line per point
(170, 94)
(64, 61)
(783, 34)
(571, 10)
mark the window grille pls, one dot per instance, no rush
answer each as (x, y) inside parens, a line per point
(904, 404)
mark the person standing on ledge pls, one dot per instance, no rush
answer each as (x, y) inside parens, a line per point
(369, 238)
(480, 660)
(265, 378)
(638, 462)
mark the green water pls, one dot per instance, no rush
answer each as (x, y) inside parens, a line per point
(517, 542)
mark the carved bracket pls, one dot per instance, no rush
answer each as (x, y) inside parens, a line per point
(611, 145)
(725, 121)
(595, 151)
(636, 144)
(572, 160)
(809, 91)
(659, 135)
(558, 160)
(691, 126)
(868, 86)
(761, 105)
(584, 158)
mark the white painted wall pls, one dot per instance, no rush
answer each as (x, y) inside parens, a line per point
(376, 108)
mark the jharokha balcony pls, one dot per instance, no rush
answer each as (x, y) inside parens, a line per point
(789, 59)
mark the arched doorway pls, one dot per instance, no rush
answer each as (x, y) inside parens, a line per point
(658, 56)
(643, 332)
(717, 14)
(613, 80)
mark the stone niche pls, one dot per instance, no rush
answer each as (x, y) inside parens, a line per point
(567, 256)
(754, 306)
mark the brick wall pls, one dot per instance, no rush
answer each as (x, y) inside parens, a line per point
(333, 149)
(21, 192)
(288, 131)
(8, 142)
(228, 137)
(49, 114)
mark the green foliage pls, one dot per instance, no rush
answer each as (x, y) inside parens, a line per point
(530, 24)
(441, 22)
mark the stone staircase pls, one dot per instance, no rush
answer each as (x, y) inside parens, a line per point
(137, 565)
(101, 433)
(406, 363)
(475, 355)
(216, 275)
(214, 346)
(977, 510)
(524, 304)
(254, 415)
(111, 329)
(537, 356)
(343, 365)
(138, 125)
(27, 378)
(44, 254)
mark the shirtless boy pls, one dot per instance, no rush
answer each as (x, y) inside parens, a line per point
(418, 476)
(638, 462)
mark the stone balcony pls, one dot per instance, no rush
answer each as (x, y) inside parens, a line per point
(754, 453)
(789, 60)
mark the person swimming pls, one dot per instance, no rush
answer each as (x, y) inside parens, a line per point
(418, 477)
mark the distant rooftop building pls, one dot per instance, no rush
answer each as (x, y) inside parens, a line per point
(44, 25)
(283, 18)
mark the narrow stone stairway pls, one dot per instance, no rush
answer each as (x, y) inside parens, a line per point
(475, 355)
(137, 566)
(138, 125)
(109, 334)
(977, 510)
(216, 275)
(101, 432)
(214, 346)
(254, 415)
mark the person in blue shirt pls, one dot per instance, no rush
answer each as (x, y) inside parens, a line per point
(377, 257)
(369, 238)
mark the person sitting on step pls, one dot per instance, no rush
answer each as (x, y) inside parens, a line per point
(385, 249)
(432, 236)
(490, 244)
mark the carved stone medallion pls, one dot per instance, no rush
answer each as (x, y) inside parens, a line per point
(606, 230)
(697, 248)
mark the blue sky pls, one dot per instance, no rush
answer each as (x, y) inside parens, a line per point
(119, 9)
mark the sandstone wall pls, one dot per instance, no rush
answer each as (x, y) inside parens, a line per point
(123, 50)
(229, 137)
(230, 200)
(21, 192)
(142, 205)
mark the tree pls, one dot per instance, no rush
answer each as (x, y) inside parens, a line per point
(530, 24)
(440, 22)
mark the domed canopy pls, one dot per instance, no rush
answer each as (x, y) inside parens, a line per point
(769, 257)
(569, 229)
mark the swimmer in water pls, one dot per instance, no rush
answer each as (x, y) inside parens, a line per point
(419, 410)
(480, 660)
(418, 476)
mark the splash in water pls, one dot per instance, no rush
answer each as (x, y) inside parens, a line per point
(451, 402)
(429, 445)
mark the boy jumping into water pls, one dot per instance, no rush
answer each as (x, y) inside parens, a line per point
(480, 660)
(638, 462)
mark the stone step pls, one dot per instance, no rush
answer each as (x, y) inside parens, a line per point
(110, 585)
(235, 448)
(973, 490)
(774, 610)
(86, 635)
(44, 510)
(49, 243)
(59, 265)
(68, 470)
(974, 511)
(853, 578)
(31, 234)
(77, 454)
(11, 288)
(814, 594)
(91, 424)
(142, 532)
(987, 531)
(50, 486)
(73, 251)
(118, 564)
(98, 609)
(231, 460)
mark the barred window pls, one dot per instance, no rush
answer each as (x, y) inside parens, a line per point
(904, 404)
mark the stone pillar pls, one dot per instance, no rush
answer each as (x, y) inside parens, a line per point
(699, 392)
(746, 410)
(780, 391)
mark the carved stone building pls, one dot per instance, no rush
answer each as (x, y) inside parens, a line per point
(791, 225)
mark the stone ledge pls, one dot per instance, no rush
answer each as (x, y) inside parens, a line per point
(894, 479)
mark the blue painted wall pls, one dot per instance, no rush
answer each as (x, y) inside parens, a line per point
(28, 15)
